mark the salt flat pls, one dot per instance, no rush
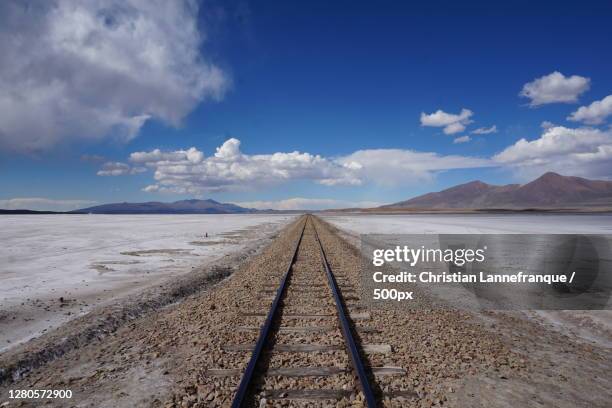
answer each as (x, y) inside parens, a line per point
(474, 223)
(594, 326)
(90, 259)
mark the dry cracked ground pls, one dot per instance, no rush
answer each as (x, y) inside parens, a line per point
(160, 355)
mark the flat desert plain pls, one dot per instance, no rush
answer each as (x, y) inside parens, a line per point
(56, 267)
(592, 326)
(474, 223)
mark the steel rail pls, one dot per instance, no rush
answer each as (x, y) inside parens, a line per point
(346, 330)
(245, 382)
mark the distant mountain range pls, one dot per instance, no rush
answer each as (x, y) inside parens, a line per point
(550, 190)
(16, 212)
(177, 207)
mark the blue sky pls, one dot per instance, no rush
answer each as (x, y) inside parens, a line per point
(352, 87)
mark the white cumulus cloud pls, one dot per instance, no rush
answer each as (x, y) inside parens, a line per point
(585, 151)
(301, 203)
(44, 204)
(485, 130)
(462, 139)
(119, 169)
(114, 169)
(595, 113)
(191, 172)
(92, 69)
(392, 167)
(555, 87)
(452, 123)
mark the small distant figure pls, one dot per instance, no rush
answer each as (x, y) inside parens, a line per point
(206, 235)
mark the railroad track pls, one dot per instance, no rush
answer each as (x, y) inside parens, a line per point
(306, 353)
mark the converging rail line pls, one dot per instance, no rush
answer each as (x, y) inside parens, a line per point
(300, 322)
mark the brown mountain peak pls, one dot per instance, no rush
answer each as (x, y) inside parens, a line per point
(550, 190)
